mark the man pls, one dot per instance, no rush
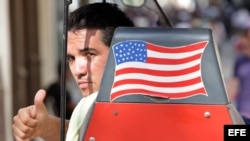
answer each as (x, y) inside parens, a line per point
(239, 90)
(90, 31)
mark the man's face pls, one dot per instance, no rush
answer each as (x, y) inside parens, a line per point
(245, 48)
(87, 56)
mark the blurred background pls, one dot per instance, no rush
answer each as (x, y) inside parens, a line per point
(31, 42)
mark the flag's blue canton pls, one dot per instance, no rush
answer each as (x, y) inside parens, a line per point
(130, 51)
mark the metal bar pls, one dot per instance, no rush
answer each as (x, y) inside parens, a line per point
(63, 69)
(163, 14)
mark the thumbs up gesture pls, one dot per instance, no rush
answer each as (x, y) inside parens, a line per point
(31, 122)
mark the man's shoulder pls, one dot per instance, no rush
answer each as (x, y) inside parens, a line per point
(242, 59)
(88, 99)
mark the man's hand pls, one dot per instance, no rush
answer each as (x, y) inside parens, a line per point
(31, 122)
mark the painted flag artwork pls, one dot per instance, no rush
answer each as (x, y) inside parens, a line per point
(147, 69)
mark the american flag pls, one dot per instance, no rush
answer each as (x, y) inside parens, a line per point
(147, 69)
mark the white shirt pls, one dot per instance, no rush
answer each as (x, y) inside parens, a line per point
(78, 116)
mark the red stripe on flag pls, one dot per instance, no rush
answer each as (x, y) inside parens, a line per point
(158, 72)
(157, 94)
(159, 84)
(173, 61)
(181, 49)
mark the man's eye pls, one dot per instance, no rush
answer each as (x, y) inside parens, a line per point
(90, 54)
(70, 58)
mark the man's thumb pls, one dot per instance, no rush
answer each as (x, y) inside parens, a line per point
(38, 103)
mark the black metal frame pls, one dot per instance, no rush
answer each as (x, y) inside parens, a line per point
(63, 69)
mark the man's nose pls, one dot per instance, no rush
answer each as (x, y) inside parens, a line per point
(80, 67)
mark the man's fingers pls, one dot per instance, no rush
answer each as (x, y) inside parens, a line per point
(20, 135)
(24, 128)
(29, 121)
(23, 118)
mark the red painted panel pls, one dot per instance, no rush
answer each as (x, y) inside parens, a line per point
(157, 122)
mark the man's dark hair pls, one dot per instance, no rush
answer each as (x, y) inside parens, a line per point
(104, 16)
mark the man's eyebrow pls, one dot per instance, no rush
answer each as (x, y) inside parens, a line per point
(87, 49)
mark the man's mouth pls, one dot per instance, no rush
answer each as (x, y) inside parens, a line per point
(83, 84)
